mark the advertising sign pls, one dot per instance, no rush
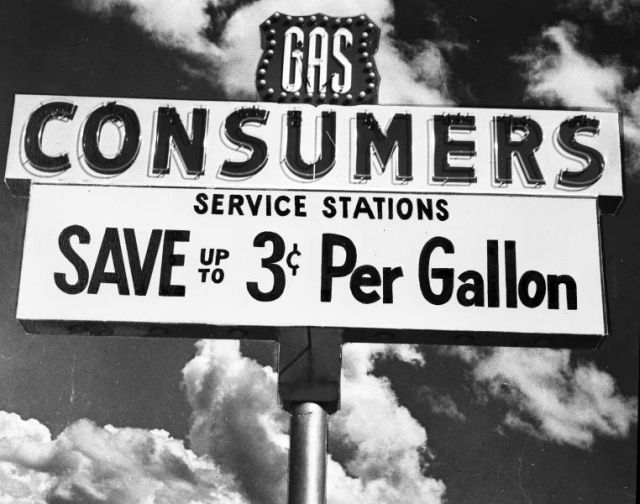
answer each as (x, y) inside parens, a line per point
(318, 59)
(365, 261)
(238, 145)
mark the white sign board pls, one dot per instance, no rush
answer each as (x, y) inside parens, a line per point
(240, 145)
(438, 262)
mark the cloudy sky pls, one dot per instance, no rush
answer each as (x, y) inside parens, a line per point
(123, 420)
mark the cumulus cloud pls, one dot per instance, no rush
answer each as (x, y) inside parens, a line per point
(231, 60)
(239, 434)
(239, 438)
(20, 441)
(558, 72)
(87, 464)
(236, 419)
(385, 444)
(237, 422)
(551, 397)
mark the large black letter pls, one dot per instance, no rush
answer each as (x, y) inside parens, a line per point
(233, 131)
(567, 141)
(524, 149)
(444, 274)
(169, 260)
(141, 272)
(327, 269)
(61, 111)
(443, 125)
(369, 134)
(64, 242)
(327, 157)
(170, 130)
(110, 247)
(111, 112)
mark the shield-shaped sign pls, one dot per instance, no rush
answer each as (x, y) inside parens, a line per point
(318, 59)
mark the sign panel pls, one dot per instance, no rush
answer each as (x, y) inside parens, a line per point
(365, 261)
(240, 146)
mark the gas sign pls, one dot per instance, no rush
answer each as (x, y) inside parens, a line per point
(318, 59)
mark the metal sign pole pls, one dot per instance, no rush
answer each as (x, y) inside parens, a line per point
(308, 454)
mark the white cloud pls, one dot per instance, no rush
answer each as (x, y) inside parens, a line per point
(239, 441)
(380, 443)
(87, 464)
(440, 404)
(236, 419)
(551, 397)
(20, 441)
(239, 433)
(613, 11)
(180, 24)
(562, 74)
(232, 61)
(383, 440)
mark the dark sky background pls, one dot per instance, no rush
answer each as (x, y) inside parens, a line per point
(54, 47)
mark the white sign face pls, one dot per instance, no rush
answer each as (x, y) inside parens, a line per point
(436, 262)
(240, 146)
